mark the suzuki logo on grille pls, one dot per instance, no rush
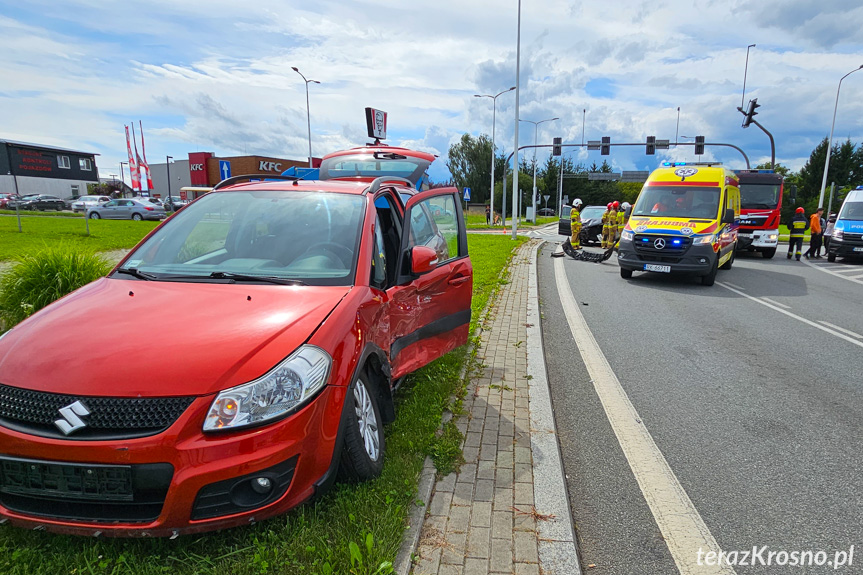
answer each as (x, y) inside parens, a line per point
(71, 420)
(659, 243)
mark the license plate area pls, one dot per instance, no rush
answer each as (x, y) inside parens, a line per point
(858, 249)
(657, 268)
(65, 480)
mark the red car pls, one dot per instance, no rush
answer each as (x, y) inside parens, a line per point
(302, 304)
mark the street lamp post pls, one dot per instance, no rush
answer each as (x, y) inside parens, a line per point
(123, 179)
(535, 132)
(170, 197)
(308, 111)
(515, 149)
(745, 70)
(493, 125)
(830, 141)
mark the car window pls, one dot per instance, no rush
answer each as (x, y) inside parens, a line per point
(379, 258)
(434, 224)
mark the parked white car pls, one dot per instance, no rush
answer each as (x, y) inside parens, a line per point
(86, 202)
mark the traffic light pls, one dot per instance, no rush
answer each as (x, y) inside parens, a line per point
(651, 145)
(699, 145)
(750, 112)
(605, 148)
(555, 149)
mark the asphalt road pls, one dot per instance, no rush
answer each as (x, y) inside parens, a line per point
(756, 405)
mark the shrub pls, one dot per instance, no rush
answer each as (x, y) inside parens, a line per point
(42, 277)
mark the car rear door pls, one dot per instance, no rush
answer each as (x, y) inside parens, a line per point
(436, 302)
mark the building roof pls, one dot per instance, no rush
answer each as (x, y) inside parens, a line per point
(44, 147)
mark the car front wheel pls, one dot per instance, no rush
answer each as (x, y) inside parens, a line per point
(363, 452)
(137, 217)
(94, 216)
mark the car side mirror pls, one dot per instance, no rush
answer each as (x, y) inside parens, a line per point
(423, 260)
(728, 218)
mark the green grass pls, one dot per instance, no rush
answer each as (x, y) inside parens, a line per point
(477, 221)
(784, 235)
(354, 529)
(40, 232)
(35, 213)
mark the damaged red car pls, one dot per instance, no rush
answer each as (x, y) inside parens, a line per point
(250, 346)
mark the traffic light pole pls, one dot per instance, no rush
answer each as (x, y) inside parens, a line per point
(772, 145)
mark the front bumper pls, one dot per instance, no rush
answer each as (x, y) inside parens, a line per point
(757, 239)
(207, 486)
(845, 248)
(696, 259)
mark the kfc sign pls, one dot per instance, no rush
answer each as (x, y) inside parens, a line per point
(198, 168)
(376, 122)
(270, 166)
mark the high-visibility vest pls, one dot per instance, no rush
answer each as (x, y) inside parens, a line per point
(798, 226)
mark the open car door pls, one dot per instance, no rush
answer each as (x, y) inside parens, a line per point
(431, 315)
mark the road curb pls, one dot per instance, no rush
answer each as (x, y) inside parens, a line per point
(558, 549)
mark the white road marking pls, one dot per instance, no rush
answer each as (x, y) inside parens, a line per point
(837, 271)
(842, 329)
(736, 286)
(683, 529)
(768, 300)
(794, 315)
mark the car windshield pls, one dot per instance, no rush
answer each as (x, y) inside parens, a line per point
(373, 165)
(302, 235)
(759, 196)
(678, 202)
(592, 212)
(851, 211)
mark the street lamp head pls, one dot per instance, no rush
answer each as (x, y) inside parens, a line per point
(295, 69)
(315, 81)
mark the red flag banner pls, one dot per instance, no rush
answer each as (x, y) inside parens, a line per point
(137, 157)
(133, 166)
(145, 163)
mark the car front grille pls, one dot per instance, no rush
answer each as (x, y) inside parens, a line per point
(646, 244)
(84, 492)
(35, 412)
(852, 237)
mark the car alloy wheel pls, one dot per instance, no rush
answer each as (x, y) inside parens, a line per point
(95, 216)
(137, 217)
(362, 456)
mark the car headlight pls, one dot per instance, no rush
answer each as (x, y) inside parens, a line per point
(772, 236)
(286, 387)
(627, 236)
(838, 235)
(708, 239)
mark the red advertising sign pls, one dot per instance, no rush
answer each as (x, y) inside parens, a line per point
(198, 168)
(376, 122)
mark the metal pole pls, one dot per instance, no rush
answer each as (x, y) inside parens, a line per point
(503, 194)
(583, 117)
(742, 96)
(830, 141)
(308, 110)
(533, 197)
(677, 131)
(560, 187)
(170, 196)
(517, 90)
(493, 126)
(830, 201)
(15, 183)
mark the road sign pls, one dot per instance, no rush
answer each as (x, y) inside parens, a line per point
(467, 194)
(546, 198)
(225, 169)
(662, 144)
(634, 176)
(603, 176)
(593, 144)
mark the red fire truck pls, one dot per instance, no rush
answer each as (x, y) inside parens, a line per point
(761, 201)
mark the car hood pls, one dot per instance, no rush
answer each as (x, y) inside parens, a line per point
(591, 222)
(126, 338)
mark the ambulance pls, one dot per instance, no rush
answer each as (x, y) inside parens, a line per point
(685, 220)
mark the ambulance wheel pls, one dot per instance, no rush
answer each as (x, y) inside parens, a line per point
(727, 265)
(625, 273)
(768, 253)
(710, 278)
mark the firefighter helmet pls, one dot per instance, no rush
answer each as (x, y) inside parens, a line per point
(615, 204)
(608, 207)
(577, 203)
(800, 210)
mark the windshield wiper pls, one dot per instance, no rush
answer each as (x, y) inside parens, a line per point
(253, 278)
(140, 275)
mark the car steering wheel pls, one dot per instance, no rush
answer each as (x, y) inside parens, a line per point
(344, 254)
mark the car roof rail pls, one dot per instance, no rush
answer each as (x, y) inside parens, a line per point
(234, 179)
(378, 183)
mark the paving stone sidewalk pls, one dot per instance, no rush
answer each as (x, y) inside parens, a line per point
(482, 520)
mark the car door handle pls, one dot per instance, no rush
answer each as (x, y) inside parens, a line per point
(458, 280)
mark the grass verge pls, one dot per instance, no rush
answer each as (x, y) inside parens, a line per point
(477, 221)
(43, 214)
(354, 529)
(40, 232)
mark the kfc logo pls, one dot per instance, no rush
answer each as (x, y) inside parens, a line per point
(197, 167)
(269, 166)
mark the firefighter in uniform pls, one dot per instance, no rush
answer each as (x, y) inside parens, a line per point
(605, 215)
(621, 223)
(575, 224)
(798, 227)
(609, 229)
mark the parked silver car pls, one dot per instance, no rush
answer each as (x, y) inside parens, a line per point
(127, 209)
(83, 203)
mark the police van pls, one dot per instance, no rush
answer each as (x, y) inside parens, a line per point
(847, 239)
(685, 220)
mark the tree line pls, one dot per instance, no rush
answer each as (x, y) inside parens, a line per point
(469, 162)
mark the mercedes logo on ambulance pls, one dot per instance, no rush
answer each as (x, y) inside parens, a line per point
(659, 243)
(71, 420)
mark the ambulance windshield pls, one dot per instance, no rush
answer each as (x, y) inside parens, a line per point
(678, 202)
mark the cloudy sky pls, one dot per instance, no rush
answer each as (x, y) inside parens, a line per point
(215, 75)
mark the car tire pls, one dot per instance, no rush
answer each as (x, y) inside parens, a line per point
(625, 273)
(710, 278)
(727, 265)
(94, 216)
(363, 451)
(768, 253)
(831, 258)
(137, 217)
